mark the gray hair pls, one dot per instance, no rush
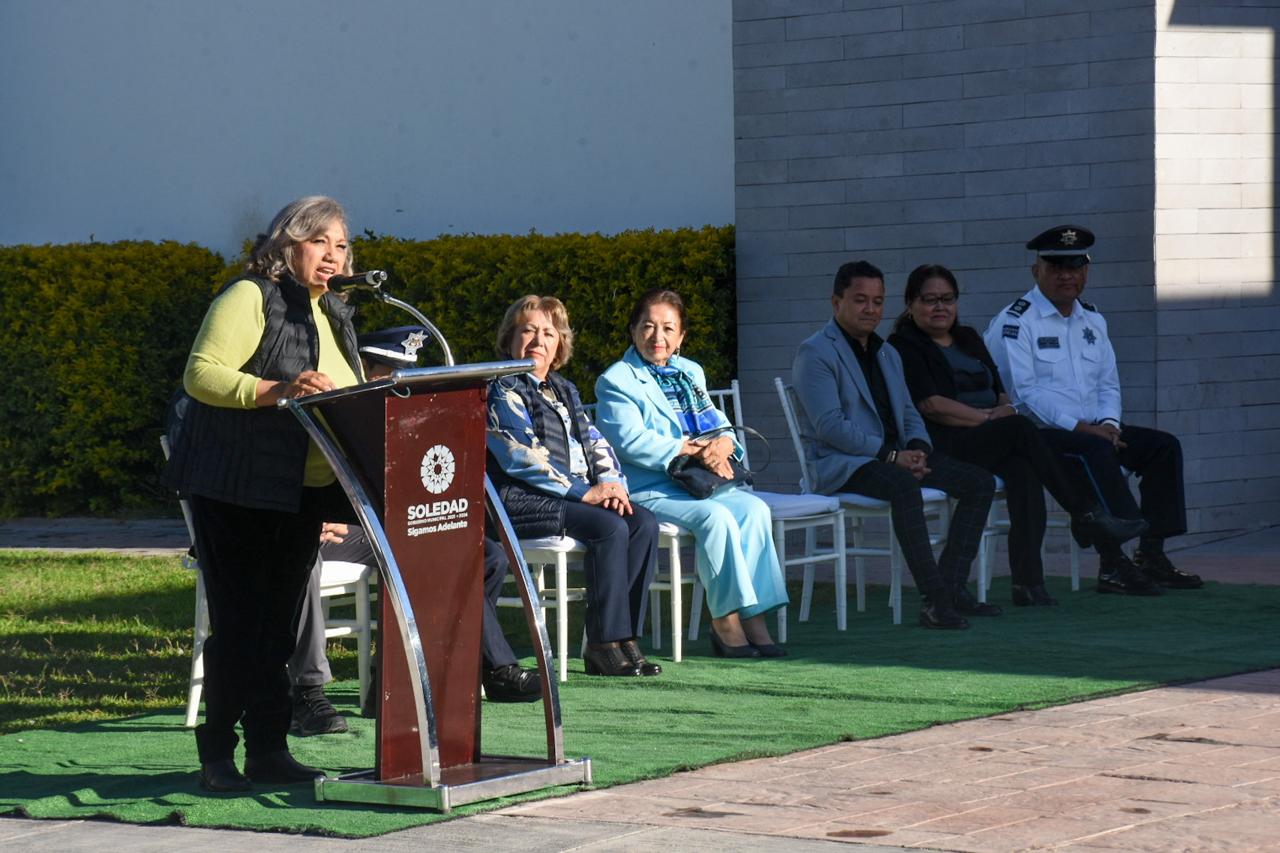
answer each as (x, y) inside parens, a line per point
(300, 220)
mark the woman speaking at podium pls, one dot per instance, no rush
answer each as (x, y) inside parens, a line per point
(258, 488)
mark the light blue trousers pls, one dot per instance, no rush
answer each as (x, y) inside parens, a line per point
(736, 561)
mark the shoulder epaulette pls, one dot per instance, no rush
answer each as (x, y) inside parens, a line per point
(1088, 306)
(1018, 308)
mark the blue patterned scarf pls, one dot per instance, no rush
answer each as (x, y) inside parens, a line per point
(691, 404)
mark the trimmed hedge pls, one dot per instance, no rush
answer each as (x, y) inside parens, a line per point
(96, 336)
(92, 339)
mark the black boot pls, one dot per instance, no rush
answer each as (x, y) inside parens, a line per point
(1118, 574)
(313, 714)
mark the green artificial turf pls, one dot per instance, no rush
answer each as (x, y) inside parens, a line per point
(875, 679)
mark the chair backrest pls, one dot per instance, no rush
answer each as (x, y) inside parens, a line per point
(189, 559)
(790, 405)
(729, 401)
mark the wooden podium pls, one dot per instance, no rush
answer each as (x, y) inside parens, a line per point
(409, 450)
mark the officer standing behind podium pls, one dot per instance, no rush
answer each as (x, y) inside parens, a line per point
(1057, 361)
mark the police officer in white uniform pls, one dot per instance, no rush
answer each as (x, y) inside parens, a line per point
(1056, 359)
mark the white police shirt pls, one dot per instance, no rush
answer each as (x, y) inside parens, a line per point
(1059, 370)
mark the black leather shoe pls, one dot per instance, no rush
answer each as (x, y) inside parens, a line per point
(631, 651)
(768, 650)
(313, 715)
(279, 768)
(721, 649)
(1100, 525)
(942, 616)
(1032, 595)
(965, 602)
(1157, 568)
(222, 777)
(510, 683)
(1121, 576)
(607, 660)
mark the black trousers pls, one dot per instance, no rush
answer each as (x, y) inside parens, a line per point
(497, 651)
(255, 564)
(1013, 449)
(622, 552)
(1154, 455)
(972, 488)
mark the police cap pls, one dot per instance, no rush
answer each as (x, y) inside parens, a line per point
(1064, 244)
(396, 347)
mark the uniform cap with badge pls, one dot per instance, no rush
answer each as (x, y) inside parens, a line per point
(1063, 245)
(395, 348)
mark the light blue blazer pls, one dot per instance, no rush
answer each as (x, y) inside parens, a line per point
(634, 416)
(839, 424)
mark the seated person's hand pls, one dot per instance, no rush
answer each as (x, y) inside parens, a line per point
(914, 461)
(332, 531)
(715, 455)
(612, 496)
(1107, 432)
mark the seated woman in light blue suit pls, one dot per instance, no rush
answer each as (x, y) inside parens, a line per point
(650, 404)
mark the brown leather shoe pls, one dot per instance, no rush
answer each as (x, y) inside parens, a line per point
(607, 660)
(631, 649)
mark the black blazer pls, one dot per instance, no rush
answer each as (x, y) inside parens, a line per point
(929, 374)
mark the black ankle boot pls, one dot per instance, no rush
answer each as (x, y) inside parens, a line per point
(1098, 524)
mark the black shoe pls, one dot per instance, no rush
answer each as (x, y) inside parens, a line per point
(1120, 575)
(942, 616)
(768, 650)
(1032, 595)
(1156, 567)
(607, 660)
(631, 650)
(1100, 525)
(721, 649)
(313, 715)
(510, 683)
(222, 777)
(965, 603)
(279, 768)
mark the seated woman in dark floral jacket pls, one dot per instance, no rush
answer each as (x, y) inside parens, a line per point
(558, 476)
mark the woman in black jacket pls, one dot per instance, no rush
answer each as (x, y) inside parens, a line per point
(956, 386)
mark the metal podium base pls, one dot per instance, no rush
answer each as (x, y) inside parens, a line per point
(492, 776)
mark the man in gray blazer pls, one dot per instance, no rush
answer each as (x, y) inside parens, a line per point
(863, 434)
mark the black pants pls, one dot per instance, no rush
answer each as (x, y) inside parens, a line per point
(1013, 449)
(972, 488)
(1155, 456)
(622, 552)
(255, 564)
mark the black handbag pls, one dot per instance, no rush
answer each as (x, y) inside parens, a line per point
(700, 481)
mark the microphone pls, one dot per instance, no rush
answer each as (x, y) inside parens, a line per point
(371, 280)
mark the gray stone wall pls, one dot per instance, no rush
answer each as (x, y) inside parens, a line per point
(951, 132)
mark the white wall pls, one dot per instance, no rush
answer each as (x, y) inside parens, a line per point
(195, 121)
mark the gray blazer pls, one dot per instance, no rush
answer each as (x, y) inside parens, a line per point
(839, 424)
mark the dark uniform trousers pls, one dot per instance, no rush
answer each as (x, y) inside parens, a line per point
(972, 488)
(1155, 456)
(309, 666)
(622, 553)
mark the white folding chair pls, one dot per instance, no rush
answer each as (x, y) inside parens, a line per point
(859, 509)
(553, 551)
(998, 525)
(805, 512)
(340, 583)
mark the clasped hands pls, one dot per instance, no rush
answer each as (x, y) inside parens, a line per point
(713, 453)
(609, 496)
(914, 461)
(1106, 431)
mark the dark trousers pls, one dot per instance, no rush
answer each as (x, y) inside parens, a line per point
(622, 552)
(972, 488)
(1013, 449)
(355, 548)
(1154, 455)
(255, 564)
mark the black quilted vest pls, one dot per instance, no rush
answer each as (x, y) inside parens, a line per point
(256, 457)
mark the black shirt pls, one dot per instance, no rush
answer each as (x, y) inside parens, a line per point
(867, 360)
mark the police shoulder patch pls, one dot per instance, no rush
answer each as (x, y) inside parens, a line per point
(1088, 306)
(1011, 331)
(1018, 308)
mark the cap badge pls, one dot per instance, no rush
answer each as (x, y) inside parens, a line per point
(413, 343)
(1069, 237)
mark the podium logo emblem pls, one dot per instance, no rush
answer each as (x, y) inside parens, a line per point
(437, 469)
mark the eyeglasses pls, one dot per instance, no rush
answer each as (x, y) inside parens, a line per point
(932, 299)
